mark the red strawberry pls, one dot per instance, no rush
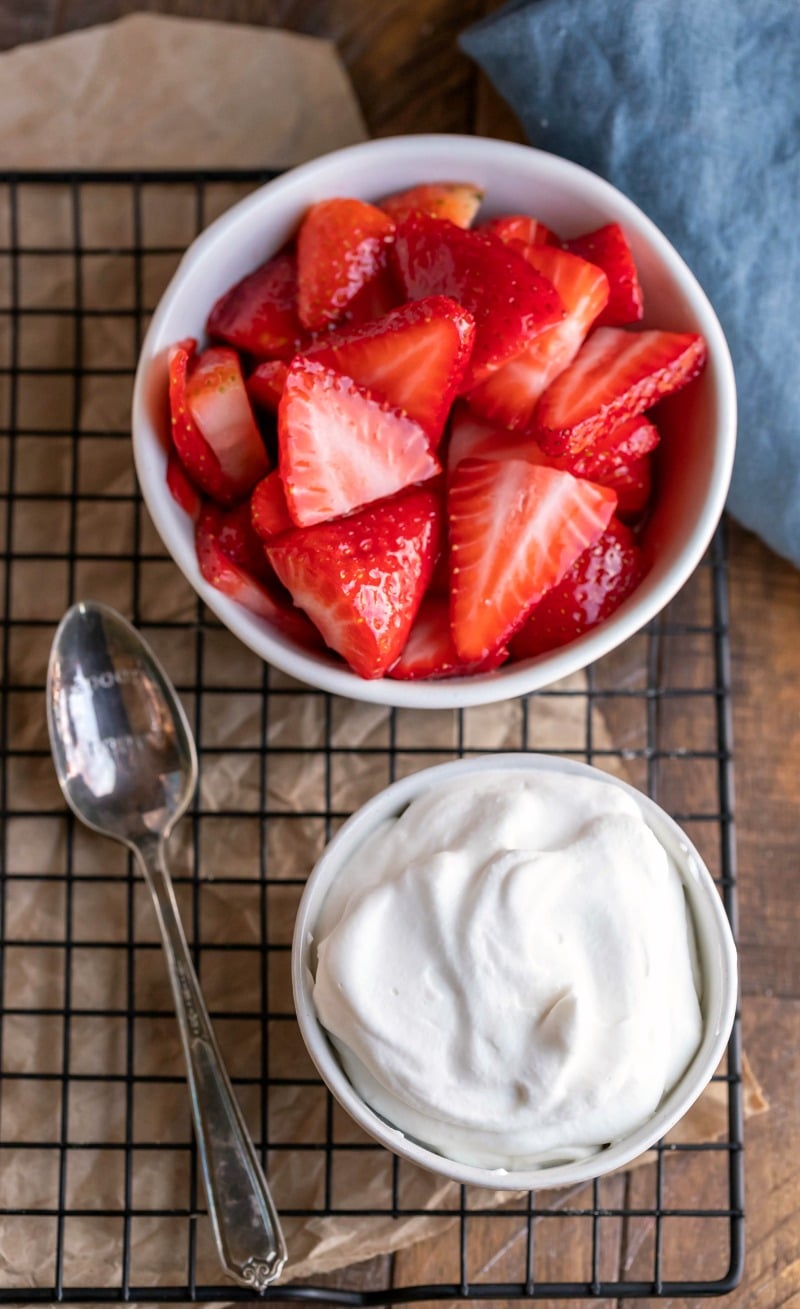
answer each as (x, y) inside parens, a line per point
(608, 248)
(265, 384)
(259, 314)
(632, 485)
(181, 487)
(264, 597)
(268, 511)
(217, 401)
(341, 245)
(615, 375)
(474, 437)
(361, 579)
(340, 448)
(233, 531)
(379, 296)
(414, 358)
(520, 227)
(596, 584)
(429, 650)
(458, 202)
(515, 529)
(629, 441)
(508, 299)
(194, 452)
(510, 395)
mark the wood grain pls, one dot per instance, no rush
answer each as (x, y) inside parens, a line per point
(410, 77)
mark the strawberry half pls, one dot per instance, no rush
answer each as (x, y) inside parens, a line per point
(264, 596)
(414, 358)
(626, 443)
(379, 296)
(233, 532)
(519, 227)
(268, 512)
(265, 384)
(361, 579)
(515, 529)
(182, 488)
(220, 409)
(615, 375)
(608, 248)
(340, 448)
(430, 651)
(596, 584)
(510, 395)
(472, 437)
(632, 484)
(509, 300)
(195, 454)
(458, 202)
(259, 314)
(341, 245)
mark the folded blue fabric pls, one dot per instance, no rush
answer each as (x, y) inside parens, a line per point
(692, 109)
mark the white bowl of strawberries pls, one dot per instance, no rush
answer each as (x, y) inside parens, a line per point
(428, 442)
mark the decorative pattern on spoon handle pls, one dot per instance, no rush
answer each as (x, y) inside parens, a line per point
(245, 1221)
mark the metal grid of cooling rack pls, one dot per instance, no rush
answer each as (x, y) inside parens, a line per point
(99, 1191)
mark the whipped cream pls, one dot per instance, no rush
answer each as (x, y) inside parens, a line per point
(508, 971)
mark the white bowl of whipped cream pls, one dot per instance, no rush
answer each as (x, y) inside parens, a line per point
(514, 970)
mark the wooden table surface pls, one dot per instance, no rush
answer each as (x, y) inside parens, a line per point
(410, 77)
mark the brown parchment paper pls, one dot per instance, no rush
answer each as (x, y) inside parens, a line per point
(159, 92)
(212, 95)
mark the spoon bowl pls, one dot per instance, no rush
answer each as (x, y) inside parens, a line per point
(127, 765)
(122, 746)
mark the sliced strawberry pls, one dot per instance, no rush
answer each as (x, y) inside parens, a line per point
(520, 227)
(259, 314)
(361, 579)
(234, 533)
(626, 443)
(379, 296)
(268, 599)
(473, 436)
(414, 358)
(509, 396)
(615, 375)
(265, 384)
(196, 455)
(341, 245)
(515, 529)
(430, 652)
(608, 248)
(458, 202)
(596, 584)
(340, 448)
(477, 438)
(440, 578)
(509, 300)
(217, 402)
(268, 512)
(182, 488)
(632, 484)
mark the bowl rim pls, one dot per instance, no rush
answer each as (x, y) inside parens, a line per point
(509, 680)
(715, 944)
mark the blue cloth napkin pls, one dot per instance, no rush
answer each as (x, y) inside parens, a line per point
(692, 109)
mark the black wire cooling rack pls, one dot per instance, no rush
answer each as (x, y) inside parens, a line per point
(99, 1191)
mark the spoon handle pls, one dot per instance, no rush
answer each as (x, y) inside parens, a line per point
(245, 1221)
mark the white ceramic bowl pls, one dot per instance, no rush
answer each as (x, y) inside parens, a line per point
(695, 460)
(716, 954)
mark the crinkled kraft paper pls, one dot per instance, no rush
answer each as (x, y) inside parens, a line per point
(155, 92)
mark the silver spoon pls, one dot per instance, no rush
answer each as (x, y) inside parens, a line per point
(127, 765)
